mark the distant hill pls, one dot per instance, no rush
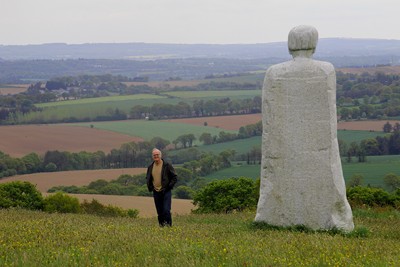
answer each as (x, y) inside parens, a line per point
(328, 47)
(30, 63)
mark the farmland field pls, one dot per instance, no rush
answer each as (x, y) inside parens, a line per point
(145, 205)
(85, 101)
(12, 89)
(233, 122)
(20, 140)
(90, 108)
(149, 129)
(46, 180)
(373, 170)
(385, 69)
(216, 94)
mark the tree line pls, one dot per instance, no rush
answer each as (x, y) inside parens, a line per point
(378, 146)
(368, 96)
(129, 155)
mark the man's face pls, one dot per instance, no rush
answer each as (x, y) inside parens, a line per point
(156, 156)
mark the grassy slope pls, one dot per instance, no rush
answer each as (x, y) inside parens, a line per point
(39, 239)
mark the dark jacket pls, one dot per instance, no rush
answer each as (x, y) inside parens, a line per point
(168, 177)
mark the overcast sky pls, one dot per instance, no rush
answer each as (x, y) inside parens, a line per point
(192, 21)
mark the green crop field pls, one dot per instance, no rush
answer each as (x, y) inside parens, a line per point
(372, 171)
(216, 94)
(356, 136)
(243, 146)
(150, 129)
(90, 108)
(29, 238)
(85, 101)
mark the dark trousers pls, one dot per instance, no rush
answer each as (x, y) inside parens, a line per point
(162, 200)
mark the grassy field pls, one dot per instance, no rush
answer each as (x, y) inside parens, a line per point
(86, 101)
(242, 146)
(150, 129)
(216, 94)
(93, 107)
(30, 238)
(356, 136)
(372, 171)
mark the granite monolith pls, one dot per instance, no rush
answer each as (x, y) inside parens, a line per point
(301, 173)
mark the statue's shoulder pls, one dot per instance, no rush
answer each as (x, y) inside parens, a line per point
(325, 66)
(279, 69)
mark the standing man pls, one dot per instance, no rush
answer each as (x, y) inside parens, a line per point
(161, 178)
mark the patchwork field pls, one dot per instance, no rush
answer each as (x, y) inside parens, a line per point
(145, 205)
(384, 69)
(17, 141)
(223, 122)
(20, 140)
(235, 122)
(46, 180)
(13, 89)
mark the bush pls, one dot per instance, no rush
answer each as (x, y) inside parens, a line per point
(50, 167)
(184, 192)
(61, 202)
(226, 195)
(355, 180)
(96, 208)
(371, 197)
(20, 194)
(392, 181)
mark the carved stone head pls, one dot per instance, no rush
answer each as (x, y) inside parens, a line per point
(302, 41)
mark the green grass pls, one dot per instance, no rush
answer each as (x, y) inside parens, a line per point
(30, 238)
(372, 171)
(356, 136)
(150, 129)
(241, 146)
(216, 94)
(90, 108)
(85, 101)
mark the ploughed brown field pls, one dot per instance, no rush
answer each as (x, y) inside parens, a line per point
(13, 89)
(372, 70)
(145, 205)
(376, 126)
(235, 122)
(20, 140)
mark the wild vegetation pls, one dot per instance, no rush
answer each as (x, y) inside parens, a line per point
(32, 238)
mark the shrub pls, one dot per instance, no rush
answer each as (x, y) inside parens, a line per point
(392, 181)
(355, 180)
(50, 167)
(98, 184)
(226, 195)
(20, 194)
(61, 202)
(184, 192)
(371, 197)
(111, 189)
(96, 208)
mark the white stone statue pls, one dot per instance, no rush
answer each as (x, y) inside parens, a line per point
(301, 173)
